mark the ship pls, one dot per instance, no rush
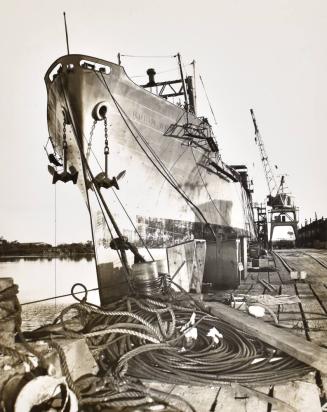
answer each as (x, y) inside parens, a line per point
(150, 173)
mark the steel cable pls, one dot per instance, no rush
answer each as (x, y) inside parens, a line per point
(169, 340)
(122, 336)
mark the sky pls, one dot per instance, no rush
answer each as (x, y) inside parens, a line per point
(267, 55)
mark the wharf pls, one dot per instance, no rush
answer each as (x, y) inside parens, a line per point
(307, 319)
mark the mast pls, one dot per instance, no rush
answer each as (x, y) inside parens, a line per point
(194, 87)
(66, 31)
(183, 81)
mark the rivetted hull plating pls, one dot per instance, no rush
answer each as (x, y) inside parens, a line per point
(170, 192)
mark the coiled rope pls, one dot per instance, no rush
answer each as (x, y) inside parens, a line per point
(167, 338)
(147, 338)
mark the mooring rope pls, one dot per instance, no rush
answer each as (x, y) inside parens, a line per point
(229, 358)
(164, 338)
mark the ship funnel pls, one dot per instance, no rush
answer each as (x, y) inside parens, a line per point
(151, 73)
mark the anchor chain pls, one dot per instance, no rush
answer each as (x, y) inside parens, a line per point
(106, 145)
(64, 176)
(89, 144)
(64, 143)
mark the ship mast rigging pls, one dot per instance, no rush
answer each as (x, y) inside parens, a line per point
(173, 88)
(197, 134)
(155, 160)
(66, 32)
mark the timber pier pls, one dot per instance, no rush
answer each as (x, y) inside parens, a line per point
(306, 319)
(292, 286)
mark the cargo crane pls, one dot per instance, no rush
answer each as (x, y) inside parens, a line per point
(283, 212)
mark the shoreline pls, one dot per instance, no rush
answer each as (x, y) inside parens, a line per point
(50, 256)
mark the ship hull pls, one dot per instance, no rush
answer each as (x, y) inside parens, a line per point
(170, 194)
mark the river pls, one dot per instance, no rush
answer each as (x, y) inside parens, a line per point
(41, 278)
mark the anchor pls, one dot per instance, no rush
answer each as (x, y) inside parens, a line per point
(102, 179)
(52, 159)
(65, 176)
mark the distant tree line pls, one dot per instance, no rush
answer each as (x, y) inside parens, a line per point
(16, 248)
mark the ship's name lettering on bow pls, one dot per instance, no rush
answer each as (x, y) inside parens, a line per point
(148, 120)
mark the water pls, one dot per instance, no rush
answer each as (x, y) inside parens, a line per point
(40, 278)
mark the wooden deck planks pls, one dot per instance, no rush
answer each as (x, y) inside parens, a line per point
(302, 396)
(313, 298)
(280, 338)
(226, 401)
(274, 278)
(232, 400)
(201, 398)
(314, 314)
(282, 271)
(263, 276)
(321, 292)
(253, 403)
(252, 277)
(216, 398)
(290, 315)
(315, 272)
(244, 288)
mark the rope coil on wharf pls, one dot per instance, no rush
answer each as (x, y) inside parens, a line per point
(143, 338)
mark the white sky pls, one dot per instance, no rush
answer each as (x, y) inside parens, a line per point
(269, 55)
